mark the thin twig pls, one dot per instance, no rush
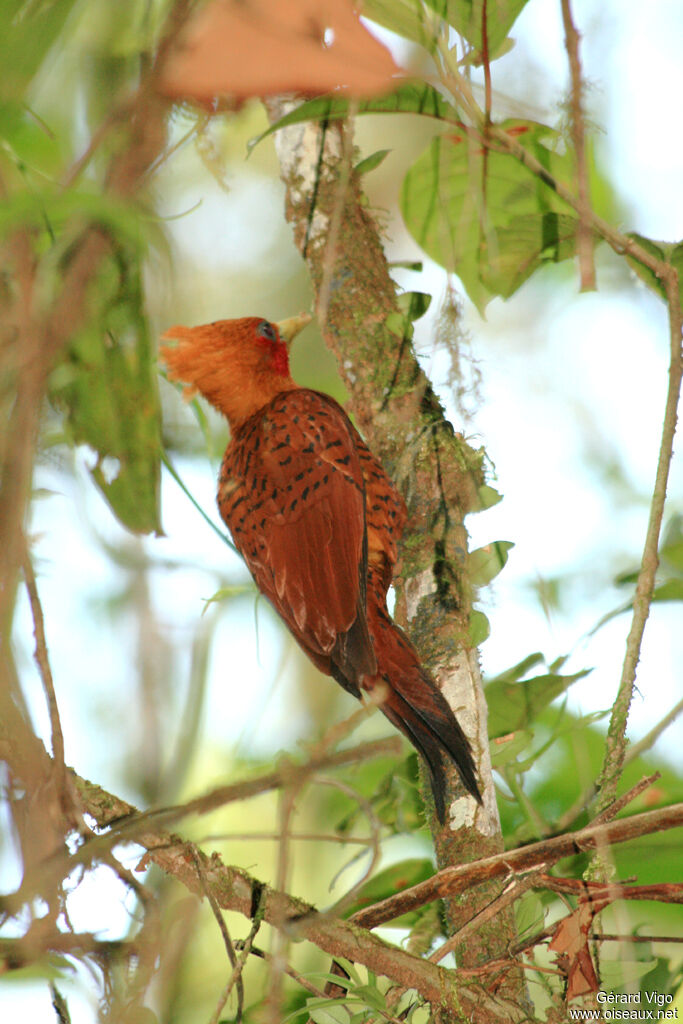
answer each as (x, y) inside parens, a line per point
(227, 942)
(495, 137)
(287, 773)
(512, 891)
(274, 837)
(618, 805)
(616, 733)
(662, 892)
(236, 977)
(289, 971)
(584, 235)
(579, 805)
(42, 660)
(376, 827)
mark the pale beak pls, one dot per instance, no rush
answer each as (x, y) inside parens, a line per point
(289, 328)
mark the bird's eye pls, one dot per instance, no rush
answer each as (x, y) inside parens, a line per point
(266, 330)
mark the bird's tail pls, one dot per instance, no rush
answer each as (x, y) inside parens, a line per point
(415, 705)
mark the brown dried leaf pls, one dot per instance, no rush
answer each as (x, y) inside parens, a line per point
(248, 48)
(570, 942)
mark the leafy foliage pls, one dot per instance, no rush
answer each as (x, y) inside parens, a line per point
(484, 215)
(106, 386)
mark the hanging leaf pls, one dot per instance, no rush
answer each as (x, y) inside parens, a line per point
(29, 30)
(414, 304)
(515, 705)
(485, 216)
(479, 629)
(372, 161)
(485, 563)
(107, 389)
(488, 497)
(505, 749)
(408, 98)
(471, 17)
(519, 670)
(669, 252)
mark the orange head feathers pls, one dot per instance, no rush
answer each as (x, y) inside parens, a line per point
(237, 365)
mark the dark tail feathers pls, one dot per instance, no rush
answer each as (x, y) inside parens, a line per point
(434, 735)
(416, 706)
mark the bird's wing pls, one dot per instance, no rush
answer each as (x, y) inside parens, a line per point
(292, 493)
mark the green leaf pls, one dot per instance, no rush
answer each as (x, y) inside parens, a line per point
(409, 98)
(392, 788)
(669, 252)
(414, 304)
(505, 749)
(372, 161)
(328, 1011)
(398, 324)
(415, 265)
(27, 140)
(671, 550)
(488, 497)
(485, 563)
(514, 705)
(391, 880)
(669, 590)
(408, 18)
(73, 210)
(529, 914)
(467, 17)
(107, 388)
(29, 30)
(475, 58)
(519, 670)
(485, 216)
(479, 628)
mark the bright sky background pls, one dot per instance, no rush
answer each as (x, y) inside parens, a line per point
(564, 377)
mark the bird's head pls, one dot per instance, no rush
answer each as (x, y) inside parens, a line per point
(237, 365)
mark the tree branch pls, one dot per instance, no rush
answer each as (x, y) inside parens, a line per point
(455, 880)
(236, 890)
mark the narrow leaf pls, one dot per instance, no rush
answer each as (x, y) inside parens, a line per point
(409, 98)
(372, 161)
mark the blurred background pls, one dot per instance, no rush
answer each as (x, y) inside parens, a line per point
(171, 676)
